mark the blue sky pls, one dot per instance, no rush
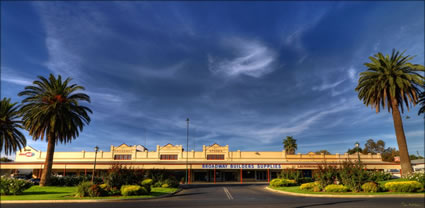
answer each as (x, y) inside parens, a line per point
(247, 74)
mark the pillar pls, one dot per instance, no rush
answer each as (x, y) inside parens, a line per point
(85, 172)
(241, 175)
(268, 175)
(214, 175)
(64, 171)
(188, 181)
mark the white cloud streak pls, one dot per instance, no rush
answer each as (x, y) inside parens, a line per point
(253, 59)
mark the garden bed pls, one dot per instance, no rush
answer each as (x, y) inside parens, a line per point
(297, 190)
(67, 193)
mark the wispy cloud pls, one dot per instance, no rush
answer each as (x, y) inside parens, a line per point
(253, 58)
(9, 76)
(326, 86)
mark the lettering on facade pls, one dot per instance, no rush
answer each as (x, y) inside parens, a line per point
(123, 150)
(28, 154)
(215, 150)
(241, 166)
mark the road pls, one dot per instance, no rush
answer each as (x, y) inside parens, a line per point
(239, 196)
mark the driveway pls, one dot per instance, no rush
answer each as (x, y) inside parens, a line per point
(233, 195)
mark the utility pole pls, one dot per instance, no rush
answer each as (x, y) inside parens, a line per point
(94, 167)
(187, 153)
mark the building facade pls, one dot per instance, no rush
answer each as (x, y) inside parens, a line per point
(214, 164)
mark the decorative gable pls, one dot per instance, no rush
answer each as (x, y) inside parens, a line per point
(171, 148)
(216, 148)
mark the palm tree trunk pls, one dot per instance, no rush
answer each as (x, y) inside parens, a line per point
(45, 177)
(406, 167)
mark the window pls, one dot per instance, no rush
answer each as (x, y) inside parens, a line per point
(215, 157)
(168, 157)
(122, 157)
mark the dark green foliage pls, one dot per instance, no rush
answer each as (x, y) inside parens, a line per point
(171, 181)
(11, 186)
(5, 159)
(11, 139)
(290, 145)
(353, 175)
(83, 189)
(119, 175)
(294, 174)
(72, 180)
(422, 103)
(95, 191)
(161, 177)
(325, 175)
(52, 110)
(377, 176)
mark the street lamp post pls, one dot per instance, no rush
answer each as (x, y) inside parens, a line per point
(358, 152)
(187, 153)
(94, 166)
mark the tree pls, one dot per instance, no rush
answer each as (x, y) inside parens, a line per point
(290, 145)
(422, 103)
(389, 154)
(326, 152)
(392, 82)
(374, 148)
(354, 150)
(415, 157)
(11, 139)
(5, 159)
(51, 111)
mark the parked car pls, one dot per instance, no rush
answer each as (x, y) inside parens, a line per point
(35, 181)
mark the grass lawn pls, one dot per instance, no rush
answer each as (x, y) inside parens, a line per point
(67, 193)
(296, 189)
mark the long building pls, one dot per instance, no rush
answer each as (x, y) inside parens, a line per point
(214, 164)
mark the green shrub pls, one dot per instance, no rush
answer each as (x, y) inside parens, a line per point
(282, 182)
(96, 191)
(353, 175)
(164, 185)
(172, 182)
(378, 176)
(325, 175)
(370, 187)
(11, 186)
(419, 177)
(72, 180)
(404, 186)
(119, 175)
(336, 188)
(309, 186)
(276, 182)
(83, 189)
(130, 190)
(147, 182)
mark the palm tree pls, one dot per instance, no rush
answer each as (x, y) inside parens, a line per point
(392, 82)
(51, 111)
(422, 103)
(11, 139)
(290, 145)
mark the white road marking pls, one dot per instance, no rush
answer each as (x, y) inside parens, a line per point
(228, 193)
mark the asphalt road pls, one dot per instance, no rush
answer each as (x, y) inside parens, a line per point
(240, 196)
